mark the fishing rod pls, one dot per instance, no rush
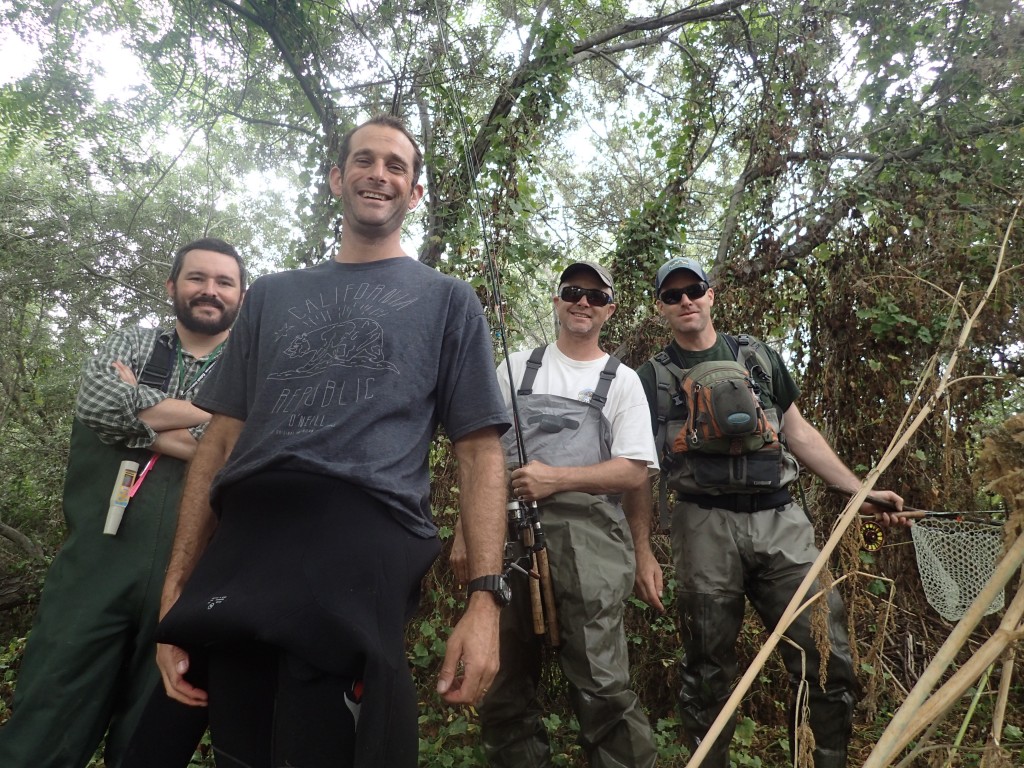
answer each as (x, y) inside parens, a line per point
(874, 534)
(525, 546)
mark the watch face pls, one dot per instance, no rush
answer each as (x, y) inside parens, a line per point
(505, 591)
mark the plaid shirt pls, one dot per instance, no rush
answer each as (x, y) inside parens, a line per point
(110, 407)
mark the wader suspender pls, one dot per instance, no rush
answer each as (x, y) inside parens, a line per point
(668, 376)
(600, 396)
(158, 369)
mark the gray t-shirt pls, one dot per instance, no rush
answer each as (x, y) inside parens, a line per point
(346, 370)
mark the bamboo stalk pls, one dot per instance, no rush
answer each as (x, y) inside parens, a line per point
(999, 713)
(918, 710)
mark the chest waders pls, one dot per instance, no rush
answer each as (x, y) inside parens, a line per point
(89, 661)
(737, 535)
(592, 568)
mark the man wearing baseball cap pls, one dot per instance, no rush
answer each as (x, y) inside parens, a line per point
(736, 531)
(677, 264)
(583, 418)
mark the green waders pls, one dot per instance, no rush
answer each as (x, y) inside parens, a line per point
(592, 569)
(90, 658)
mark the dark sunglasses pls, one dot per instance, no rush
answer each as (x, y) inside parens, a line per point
(692, 292)
(595, 296)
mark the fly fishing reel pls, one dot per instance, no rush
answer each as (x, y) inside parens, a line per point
(872, 536)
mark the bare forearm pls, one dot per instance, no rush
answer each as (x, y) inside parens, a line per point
(814, 452)
(196, 524)
(538, 480)
(172, 414)
(178, 443)
(817, 455)
(482, 498)
(474, 640)
(638, 506)
(649, 581)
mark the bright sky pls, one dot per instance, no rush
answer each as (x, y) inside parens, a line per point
(16, 57)
(118, 71)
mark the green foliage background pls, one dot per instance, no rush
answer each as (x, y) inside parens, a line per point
(847, 171)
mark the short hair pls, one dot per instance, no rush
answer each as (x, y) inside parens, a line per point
(388, 121)
(207, 244)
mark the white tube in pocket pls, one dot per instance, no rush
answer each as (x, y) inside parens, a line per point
(126, 474)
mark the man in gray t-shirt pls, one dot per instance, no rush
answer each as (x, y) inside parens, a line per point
(304, 527)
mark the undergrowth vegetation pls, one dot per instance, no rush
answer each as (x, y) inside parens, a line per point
(889, 664)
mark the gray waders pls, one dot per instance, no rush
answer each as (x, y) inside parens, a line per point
(722, 557)
(592, 570)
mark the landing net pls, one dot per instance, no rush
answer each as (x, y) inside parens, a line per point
(956, 559)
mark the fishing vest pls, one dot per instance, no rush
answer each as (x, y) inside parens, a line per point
(769, 468)
(560, 431)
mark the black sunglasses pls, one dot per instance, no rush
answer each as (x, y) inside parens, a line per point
(692, 292)
(595, 296)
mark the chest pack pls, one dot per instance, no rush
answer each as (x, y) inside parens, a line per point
(718, 425)
(722, 410)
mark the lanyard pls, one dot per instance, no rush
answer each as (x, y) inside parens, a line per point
(211, 359)
(142, 475)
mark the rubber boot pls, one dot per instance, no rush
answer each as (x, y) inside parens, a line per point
(709, 628)
(517, 745)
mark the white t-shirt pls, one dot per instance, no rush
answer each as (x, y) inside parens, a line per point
(626, 409)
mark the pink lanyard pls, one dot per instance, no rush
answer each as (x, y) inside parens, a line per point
(142, 474)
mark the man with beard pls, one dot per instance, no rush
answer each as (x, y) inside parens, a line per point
(88, 665)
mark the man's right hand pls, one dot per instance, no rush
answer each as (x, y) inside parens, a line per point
(648, 583)
(173, 663)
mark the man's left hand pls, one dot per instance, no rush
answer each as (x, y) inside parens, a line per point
(648, 581)
(473, 646)
(124, 373)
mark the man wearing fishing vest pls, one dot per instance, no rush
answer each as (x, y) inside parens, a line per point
(583, 421)
(736, 531)
(89, 662)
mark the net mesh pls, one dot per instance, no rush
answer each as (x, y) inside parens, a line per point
(956, 559)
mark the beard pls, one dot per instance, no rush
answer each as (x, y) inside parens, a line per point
(210, 327)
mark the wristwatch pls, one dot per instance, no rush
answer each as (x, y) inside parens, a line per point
(496, 584)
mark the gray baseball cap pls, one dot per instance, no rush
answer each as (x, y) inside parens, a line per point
(674, 265)
(602, 274)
